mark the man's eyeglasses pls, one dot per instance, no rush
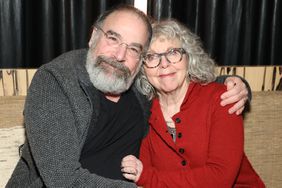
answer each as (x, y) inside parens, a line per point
(113, 39)
(153, 60)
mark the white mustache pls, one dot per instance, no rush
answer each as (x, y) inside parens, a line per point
(113, 62)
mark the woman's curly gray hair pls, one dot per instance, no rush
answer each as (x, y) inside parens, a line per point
(200, 65)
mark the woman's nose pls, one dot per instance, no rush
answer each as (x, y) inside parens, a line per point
(164, 62)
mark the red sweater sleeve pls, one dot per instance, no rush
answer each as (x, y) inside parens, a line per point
(224, 154)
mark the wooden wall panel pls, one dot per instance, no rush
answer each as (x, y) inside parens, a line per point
(255, 76)
(14, 82)
(8, 83)
(260, 78)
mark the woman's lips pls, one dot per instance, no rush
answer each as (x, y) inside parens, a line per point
(166, 75)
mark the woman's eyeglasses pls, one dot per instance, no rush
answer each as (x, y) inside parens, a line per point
(153, 60)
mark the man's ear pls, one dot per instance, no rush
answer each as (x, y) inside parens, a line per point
(90, 42)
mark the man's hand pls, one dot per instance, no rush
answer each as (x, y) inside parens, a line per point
(131, 168)
(236, 92)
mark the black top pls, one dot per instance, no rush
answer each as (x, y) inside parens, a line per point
(119, 132)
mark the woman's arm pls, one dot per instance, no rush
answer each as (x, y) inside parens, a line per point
(223, 157)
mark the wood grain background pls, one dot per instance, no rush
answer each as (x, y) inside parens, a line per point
(14, 82)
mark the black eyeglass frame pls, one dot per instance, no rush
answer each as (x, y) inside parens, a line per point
(128, 46)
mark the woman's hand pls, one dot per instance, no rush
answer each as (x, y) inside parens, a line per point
(131, 167)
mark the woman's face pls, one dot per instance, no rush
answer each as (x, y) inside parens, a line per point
(167, 77)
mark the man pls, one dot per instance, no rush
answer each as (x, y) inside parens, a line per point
(81, 115)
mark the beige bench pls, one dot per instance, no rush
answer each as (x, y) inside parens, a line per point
(263, 124)
(11, 134)
(263, 135)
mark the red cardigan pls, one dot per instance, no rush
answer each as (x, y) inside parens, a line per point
(208, 151)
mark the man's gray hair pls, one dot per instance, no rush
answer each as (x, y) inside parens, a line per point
(127, 8)
(200, 65)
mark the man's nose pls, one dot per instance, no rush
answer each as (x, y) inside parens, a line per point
(121, 52)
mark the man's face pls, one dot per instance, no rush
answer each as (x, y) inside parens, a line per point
(113, 59)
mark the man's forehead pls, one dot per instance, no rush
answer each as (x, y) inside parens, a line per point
(129, 25)
(120, 18)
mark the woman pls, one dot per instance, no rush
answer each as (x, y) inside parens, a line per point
(193, 141)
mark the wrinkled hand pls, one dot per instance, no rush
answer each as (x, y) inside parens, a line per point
(236, 92)
(131, 168)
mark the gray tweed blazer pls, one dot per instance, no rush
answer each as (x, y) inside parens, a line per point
(57, 116)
